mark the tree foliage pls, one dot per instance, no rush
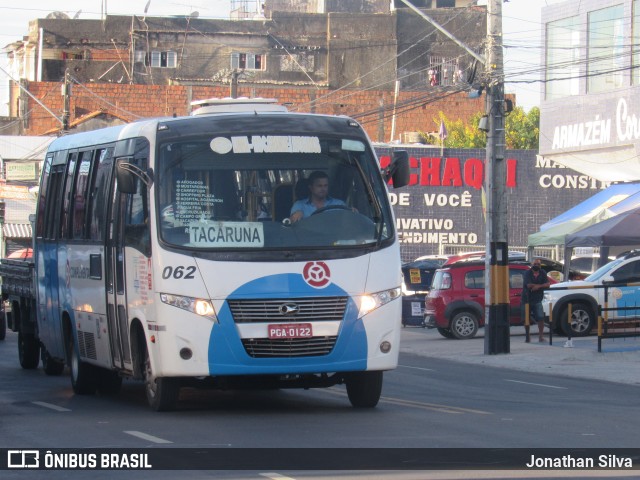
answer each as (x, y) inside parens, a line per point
(522, 130)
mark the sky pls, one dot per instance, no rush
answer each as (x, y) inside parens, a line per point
(520, 22)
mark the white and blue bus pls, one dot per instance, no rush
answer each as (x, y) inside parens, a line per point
(164, 252)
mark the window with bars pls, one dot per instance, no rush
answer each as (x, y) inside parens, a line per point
(248, 61)
(157, 59)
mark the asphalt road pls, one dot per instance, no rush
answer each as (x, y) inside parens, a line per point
(426, 403)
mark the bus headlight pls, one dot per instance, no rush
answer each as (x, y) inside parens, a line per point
(370, 302)
(199, 306)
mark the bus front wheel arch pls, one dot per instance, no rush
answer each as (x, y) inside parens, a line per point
(162, 392)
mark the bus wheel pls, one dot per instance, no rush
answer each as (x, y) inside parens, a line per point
(364, 388)
(162, 392)
(50, 366)
(109, 382)
(3, 326)
(82, 374)
(28, 351)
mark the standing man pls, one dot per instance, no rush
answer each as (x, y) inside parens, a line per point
(535, 282)
(318, 197)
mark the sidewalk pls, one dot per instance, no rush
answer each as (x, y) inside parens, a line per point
(618, 362)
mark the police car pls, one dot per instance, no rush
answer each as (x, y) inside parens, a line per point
(585, 296)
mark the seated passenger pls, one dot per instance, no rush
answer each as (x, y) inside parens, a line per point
(318, 197)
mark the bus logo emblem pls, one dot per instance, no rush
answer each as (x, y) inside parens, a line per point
(316, 274)
(289, 309)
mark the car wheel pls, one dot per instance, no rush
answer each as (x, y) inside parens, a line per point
(582, 320)
(445, 332)
(464, 325)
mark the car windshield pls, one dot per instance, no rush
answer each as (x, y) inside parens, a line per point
(602, 271)
(238, 192)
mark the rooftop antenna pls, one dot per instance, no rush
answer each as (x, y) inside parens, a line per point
(146, 7)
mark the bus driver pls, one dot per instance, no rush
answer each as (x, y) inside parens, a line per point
(318, 197)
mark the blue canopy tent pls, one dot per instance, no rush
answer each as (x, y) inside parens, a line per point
(617, 198)
(603, 205)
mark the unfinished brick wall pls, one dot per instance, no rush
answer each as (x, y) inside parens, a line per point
(374, 109)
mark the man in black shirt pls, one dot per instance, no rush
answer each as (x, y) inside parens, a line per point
(535, 282)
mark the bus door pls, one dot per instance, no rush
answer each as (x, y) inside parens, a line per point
(115, 278)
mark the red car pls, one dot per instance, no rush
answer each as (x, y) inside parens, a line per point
(455, 304)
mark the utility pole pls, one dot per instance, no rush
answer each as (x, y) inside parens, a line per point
(496, 338)
(233, 90)
(66, 93)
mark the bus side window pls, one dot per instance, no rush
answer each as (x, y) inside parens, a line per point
(67, 196)
(98, 201)
(53, 210)
(40, 225)
(81, 194)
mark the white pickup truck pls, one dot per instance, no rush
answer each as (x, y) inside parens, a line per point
(586, 295)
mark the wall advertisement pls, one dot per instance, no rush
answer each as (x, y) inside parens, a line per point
(442, 209)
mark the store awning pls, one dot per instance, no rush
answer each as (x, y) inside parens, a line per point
(16, 230)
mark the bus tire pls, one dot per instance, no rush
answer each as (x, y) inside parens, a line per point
(82, 374)
(3, 326)
(364, 388)
(108, 381)
(28, 351)
(49, 365)
(162, 392)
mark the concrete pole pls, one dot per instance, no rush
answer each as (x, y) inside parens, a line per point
(497, 248)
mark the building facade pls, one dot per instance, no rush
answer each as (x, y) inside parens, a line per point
(393, 57)
(590, 106)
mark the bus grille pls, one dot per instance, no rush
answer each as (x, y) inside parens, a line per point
(314, 309)
(289, 347)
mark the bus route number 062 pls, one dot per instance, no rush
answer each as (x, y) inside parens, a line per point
(179, 273)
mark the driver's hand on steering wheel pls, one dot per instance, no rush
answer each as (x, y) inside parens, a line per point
(296, 216)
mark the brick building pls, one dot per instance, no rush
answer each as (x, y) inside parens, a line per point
(348, 59)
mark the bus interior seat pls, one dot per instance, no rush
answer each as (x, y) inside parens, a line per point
(282, 201)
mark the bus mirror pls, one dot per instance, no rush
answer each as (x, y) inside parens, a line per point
(127, 173)
(398, 171)
(126, 178)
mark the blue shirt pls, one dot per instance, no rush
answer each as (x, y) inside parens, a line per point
(307, 208)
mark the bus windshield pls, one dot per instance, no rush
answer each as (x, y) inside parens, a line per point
(238, 192)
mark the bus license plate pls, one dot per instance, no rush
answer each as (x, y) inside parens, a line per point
(290, 330)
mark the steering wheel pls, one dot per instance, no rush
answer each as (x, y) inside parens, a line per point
(331, 207)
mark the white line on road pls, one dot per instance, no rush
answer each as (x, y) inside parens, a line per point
(536, 384)
(146, 436)
(52, 406)
(418, 368)
(275, 476)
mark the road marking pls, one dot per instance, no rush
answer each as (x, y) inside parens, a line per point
(410, 403)
(433, 406)
(418, 368)
(536, 384)
(52, 406)
(146, 436)
(276, 476)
